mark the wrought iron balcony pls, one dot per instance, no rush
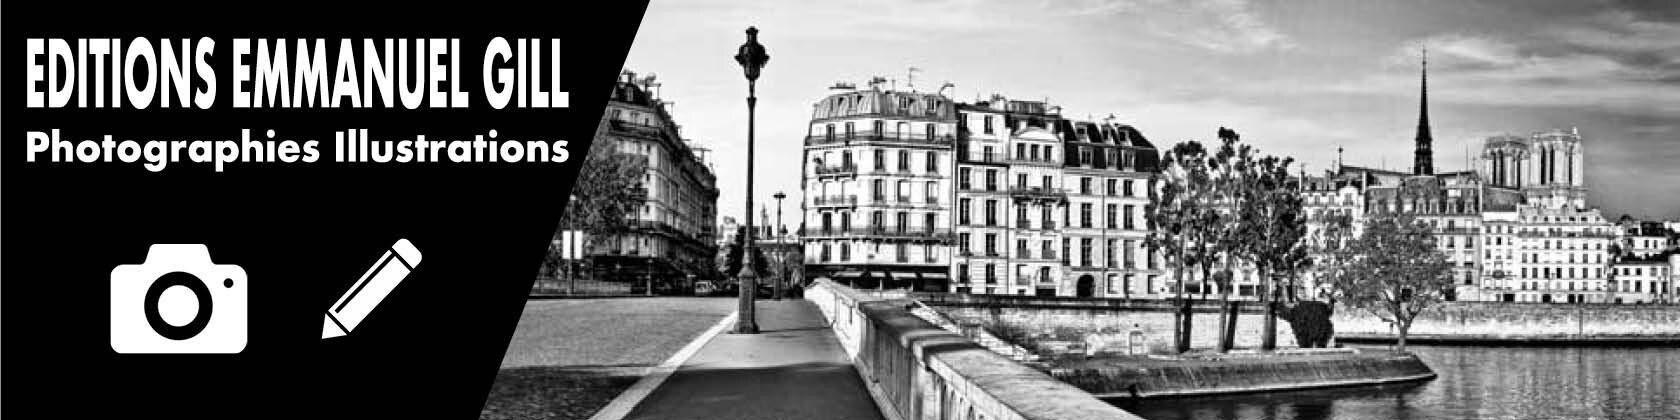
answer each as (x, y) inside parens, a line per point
(889, 232)
(872, 136)
(1037, 192)
(835, 201)
(840, 170)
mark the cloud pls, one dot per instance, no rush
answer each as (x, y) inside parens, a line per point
(1612, 62)
(1222, 26)
(1624, 31)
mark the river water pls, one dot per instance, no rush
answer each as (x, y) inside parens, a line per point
(1474, 383)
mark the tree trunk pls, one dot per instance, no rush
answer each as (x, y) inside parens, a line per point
(1186, 316)
(1181, 316)
(1400, 345)
(1227, 309)
(1268, 335)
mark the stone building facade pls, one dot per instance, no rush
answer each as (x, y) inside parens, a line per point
(876, 176)
(914, 190)
(674, 234)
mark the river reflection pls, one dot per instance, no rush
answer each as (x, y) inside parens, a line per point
(1474, 383)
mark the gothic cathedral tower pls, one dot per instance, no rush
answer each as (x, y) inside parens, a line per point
(1423, 162)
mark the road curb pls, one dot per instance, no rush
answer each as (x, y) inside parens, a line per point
(621, 405)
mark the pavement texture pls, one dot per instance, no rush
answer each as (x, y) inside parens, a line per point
(793, 369)
(569, 358)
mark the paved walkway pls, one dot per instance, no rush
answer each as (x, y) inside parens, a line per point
(569, 358)
(794, 369)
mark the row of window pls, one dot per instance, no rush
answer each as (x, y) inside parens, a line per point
(1114, 158)
(1114, 187)
(930, 161)
(901, 252)
(988, 126)
(1116, 216)
(1640, 271)
(1118, 253)
(877, 220)
(902, 131)
(1559, 273)
(1534, 258)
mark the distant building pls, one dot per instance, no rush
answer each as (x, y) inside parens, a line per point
(1643, 281)
(1643, 238)
(1516, 228)
(674, 233)
(728, 230)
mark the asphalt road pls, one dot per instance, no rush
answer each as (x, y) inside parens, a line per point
(570, 357)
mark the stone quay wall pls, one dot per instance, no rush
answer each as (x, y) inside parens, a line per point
(1049, 315)
(1522, 321)
(1154, 379)
(917, 370)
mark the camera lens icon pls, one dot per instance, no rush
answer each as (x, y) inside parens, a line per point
(178, 301)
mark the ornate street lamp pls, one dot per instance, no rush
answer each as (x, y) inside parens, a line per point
(751, 56)
(781, 256)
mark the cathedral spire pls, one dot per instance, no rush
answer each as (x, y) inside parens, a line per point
(1424, 162)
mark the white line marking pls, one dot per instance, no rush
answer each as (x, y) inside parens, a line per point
(624, 402)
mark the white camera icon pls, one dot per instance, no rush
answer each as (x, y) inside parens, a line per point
(178, 301)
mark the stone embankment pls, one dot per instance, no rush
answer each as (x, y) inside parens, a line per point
(1153, 377)
(917, 370)
(1522, 323)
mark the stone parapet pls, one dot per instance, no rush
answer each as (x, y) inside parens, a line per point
(919, 371)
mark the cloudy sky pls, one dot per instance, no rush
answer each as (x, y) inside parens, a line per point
(1297, 78)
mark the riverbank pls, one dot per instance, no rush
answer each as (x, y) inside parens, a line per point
(1147, 377)
(1595, 340)
(1475, 382)
(1487, 323)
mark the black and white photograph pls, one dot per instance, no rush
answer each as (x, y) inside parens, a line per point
(843, 210)
(1136, 209)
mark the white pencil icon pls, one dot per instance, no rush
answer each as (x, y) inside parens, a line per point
(370, 289)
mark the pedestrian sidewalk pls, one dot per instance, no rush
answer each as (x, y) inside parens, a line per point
(793, 369)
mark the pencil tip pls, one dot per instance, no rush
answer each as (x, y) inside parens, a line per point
(330, 329)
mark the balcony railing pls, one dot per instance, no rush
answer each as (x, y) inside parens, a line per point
(1037, 192)
(890, 232)
(1041, 160)
(631, 128)
(837, 170)
(1457, 231)
(945, 139)
(1042, 255)
(835, 201)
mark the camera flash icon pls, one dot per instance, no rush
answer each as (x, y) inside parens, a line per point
(371, 289)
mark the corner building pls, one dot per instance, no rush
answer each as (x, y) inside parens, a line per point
(876, 176)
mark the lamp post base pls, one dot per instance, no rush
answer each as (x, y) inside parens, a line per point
(746, 316)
